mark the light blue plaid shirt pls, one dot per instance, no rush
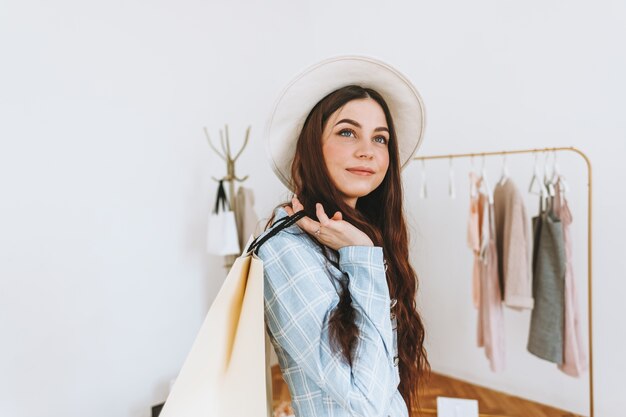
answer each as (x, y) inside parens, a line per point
(301, 290)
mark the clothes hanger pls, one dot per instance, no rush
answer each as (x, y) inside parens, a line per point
(547, 178)
(505, 171)
(554, 178)
(542, 191)
(564, 186)
(484, 182)
(559, 179)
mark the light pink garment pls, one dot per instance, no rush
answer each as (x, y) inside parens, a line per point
(473, 237)
(490, 311)
(574, 356)
(490, 328)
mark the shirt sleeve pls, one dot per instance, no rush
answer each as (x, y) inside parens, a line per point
(299, 298)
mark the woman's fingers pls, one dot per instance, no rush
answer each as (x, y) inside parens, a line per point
(332, 232)
(309, 225)
(306, 223)
(297, 206)
(321, 214)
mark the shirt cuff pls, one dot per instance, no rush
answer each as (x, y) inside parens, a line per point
(361, 255)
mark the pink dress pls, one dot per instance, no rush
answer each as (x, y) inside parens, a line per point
(473, 237)
(574, 357)
(490, 329)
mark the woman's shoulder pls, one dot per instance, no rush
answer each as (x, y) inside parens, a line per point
(291, 235)
(292, 258)
(293, 244)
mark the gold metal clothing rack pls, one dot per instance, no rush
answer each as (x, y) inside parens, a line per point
(589, 232)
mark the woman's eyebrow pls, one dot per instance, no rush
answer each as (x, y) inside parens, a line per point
(355, 123)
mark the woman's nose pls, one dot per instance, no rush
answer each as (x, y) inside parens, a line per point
(365, 150)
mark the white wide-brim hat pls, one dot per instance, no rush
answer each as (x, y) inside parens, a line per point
(300, 96)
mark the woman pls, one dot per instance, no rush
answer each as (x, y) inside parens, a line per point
(339, 290)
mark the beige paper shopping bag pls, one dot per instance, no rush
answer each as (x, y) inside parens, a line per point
(225, 374)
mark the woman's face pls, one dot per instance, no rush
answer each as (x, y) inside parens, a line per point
(355, 148)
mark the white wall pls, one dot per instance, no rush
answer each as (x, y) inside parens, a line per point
(105, 173)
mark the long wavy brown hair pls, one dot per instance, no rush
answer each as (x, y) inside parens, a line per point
(380, 215)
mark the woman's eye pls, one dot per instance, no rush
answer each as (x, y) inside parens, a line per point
(346, 133)
(381, 139)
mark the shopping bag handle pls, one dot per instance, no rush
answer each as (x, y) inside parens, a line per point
(221, 199)
(280, 224)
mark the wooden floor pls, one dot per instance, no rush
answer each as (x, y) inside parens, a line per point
(490, 403)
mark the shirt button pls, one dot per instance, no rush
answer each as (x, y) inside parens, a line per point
(393, 303)
(396, 360)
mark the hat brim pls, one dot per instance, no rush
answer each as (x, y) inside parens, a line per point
(298, 98)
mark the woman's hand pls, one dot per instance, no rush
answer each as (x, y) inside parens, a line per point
(333, 232)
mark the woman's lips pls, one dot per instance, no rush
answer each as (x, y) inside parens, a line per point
(358, 171)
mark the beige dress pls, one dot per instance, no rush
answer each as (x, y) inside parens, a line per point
(513, 241)
(247, 219)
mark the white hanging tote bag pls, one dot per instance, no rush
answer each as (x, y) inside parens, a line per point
(226, 374)
(222, 237)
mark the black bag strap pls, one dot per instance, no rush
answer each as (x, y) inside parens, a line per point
(280, 224)
(221, 198)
